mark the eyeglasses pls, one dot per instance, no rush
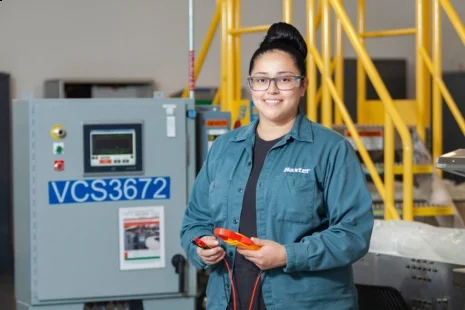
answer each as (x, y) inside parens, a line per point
(261, 83)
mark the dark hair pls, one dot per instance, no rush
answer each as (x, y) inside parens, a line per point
(286, 38)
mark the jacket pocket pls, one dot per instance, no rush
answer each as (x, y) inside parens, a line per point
(218, 200)
(314, 287)
(293, 197)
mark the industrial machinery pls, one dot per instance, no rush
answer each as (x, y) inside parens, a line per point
(100, 188)
(413, 265)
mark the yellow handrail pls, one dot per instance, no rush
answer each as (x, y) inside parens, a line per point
(435, 68)
(392, 116)
(444, 91)
(389, 33)
(252, 29)
(454, 19)
(354, 133)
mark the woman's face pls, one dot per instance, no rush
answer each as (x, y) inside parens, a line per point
(274, 104)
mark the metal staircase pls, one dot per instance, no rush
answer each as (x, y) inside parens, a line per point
(393, 137)
(432, 202)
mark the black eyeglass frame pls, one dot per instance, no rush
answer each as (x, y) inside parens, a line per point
(298, 78)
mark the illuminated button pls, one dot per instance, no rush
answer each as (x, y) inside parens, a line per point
(59, 165)
(58, 148)
(105, 161)
(58, 132)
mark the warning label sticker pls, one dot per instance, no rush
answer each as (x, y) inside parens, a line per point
(371, 139)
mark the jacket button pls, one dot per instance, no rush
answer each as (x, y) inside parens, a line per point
(249, 163)
(230, 253)
(240, 190)
(226, 286)
(235, 221)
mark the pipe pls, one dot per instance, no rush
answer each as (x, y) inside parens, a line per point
(191, 51)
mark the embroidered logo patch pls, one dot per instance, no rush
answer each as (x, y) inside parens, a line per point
(296, 170)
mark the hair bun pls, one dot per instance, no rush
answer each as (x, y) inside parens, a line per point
(284, 34)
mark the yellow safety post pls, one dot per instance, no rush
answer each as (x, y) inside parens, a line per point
(437, 71)
(232, 103)
(426, 30)
(421, 105)
(287, 11)
(326, 107)
(206, 45)
(224, 104)
(237, 51)
(339, 71)
(392, 113)
(311, 67)
(361, 77)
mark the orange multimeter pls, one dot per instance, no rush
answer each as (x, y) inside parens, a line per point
(235, 239)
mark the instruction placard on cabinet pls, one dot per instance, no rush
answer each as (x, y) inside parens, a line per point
(142, 240)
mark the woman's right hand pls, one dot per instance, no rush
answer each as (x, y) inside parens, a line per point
(214, 254)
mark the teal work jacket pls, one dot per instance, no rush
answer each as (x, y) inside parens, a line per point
(312, 198)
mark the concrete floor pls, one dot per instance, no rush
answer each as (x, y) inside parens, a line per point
(7, 291)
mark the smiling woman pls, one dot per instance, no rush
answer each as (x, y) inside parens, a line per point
(277, 78)
(294, 185)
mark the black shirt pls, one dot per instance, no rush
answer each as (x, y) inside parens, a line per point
(245, 272)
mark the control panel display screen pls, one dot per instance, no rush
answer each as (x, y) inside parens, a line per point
(112, 147)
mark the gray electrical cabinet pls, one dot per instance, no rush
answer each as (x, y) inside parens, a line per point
(98, 88)
(100, 188)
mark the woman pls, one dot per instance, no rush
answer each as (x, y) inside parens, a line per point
(295, 185)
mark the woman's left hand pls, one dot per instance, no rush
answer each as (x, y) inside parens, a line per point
(270, 255)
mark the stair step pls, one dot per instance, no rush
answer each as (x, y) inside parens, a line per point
(399, 169)
(419, 209)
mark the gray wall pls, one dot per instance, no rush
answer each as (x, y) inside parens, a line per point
(149, 38)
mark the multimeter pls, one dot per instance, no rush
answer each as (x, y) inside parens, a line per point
(235, 239)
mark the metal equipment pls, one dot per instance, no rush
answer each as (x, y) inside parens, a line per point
(423, 284)
(98, 88)
(100, 187)
(211, 123)
(422, 264)
(454, 162)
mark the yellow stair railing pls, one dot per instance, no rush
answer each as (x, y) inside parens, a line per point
(228, 15)
(392, 118)
(434, 67)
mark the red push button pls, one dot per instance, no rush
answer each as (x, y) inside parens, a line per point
(59, 165)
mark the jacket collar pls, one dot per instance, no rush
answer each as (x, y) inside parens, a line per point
(301, 130)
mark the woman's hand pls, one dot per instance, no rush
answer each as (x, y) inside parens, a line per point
(214, 254)
(270, 255)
